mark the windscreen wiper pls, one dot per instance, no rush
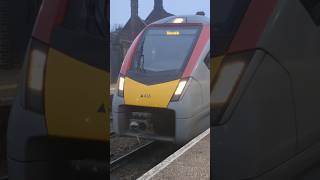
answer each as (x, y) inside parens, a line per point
(140, 63)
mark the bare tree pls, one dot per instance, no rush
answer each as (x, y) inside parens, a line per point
(116, 27)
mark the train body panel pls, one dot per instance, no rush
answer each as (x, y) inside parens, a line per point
(81, 111)
(158, 95)
(147, 104)
(258, 127)
(298, 41)
(269, 120)
(198, 117)
(61, 109)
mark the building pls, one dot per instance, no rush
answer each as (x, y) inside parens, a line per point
(157, 13)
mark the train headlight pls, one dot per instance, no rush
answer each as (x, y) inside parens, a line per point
(37, 60)
(180, 89)
(36, 69)
(228, 77)
(121, 86)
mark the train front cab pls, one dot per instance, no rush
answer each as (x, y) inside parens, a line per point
(162, 91)
(265, 90)
(60, 112)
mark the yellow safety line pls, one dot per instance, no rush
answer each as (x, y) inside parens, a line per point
(8, 87)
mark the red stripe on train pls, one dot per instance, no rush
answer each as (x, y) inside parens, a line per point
(252, 25)
(129, 56)
(202, 41)
(52, 12)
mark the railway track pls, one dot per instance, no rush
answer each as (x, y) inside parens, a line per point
(118, 162)
(140, 161)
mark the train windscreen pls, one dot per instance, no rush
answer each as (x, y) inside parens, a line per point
(165, 49)
(227, 18)
(87, 16)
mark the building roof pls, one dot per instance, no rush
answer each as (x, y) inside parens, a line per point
(157, 13)
(134, 25)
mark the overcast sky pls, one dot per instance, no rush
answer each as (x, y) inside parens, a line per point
(120, 9)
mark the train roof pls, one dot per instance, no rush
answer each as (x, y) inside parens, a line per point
(187, 19)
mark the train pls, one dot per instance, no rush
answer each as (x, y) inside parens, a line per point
(265, 88)
(164, 82)
(61, 111)
(14, 34)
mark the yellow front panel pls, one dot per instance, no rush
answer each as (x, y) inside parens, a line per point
(158, 95)
(76, 95)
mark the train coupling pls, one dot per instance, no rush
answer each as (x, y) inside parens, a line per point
(136, 125)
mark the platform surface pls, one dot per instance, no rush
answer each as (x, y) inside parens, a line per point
(191, 162)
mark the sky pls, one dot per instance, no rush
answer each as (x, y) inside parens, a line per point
(120, 9)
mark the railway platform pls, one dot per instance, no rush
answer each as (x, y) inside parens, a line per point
(192, 161)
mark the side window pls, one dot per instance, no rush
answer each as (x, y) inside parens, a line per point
(207, 60)
(313, 8)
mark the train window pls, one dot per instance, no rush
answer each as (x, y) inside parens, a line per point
(86, 16)
(165, 48)
(207, 60)
(313, 8)
(227, 17)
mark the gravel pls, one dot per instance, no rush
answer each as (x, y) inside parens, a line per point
(120, 146)
(139, 165)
